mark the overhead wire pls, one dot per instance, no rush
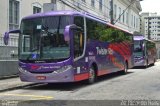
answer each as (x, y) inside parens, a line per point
(84, 4)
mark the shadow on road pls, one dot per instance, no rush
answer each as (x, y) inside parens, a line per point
(111, 76)
(74, 85)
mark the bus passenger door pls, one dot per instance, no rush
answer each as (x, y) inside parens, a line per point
(78, 49)
(78, 43)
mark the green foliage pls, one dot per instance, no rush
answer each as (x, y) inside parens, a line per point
(111, 35)
(150, 44)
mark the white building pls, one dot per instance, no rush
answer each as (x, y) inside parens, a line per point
(11, 13)
(125, 12)
(151, 26)
(142, 23)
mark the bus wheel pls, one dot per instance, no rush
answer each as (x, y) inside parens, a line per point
(154, 62)
(92, 76)
(125, 70)
(146, 64)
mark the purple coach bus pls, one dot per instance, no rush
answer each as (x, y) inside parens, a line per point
(144, 51)
(69, 46)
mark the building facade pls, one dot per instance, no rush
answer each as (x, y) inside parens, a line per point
(12, 12)
(125, 13)
(151, 26)
(142, 22)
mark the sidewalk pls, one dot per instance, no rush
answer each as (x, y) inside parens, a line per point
(12, 84)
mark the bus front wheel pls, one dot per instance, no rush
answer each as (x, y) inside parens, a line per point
(146, 64)
(125, 70)
(154, 62)
(92, 76)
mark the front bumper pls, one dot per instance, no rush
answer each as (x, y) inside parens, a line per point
(141, 62)
(66, 76)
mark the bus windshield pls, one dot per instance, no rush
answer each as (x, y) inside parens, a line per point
(138, 46)
(43, 39)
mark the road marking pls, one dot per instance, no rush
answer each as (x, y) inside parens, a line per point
(32, 96)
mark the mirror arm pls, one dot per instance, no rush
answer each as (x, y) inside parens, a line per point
(14, 31)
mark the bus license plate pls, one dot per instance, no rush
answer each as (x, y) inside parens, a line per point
(41, 77)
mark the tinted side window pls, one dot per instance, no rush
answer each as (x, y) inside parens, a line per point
(91, 25)
(150, 45)
(79, 21)
(128, 37)
(111, 34)
(94, 29)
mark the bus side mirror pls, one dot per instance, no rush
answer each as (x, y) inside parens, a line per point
(6, 36)
(68, 29)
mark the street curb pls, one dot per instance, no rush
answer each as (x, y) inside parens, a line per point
(8, 77)
(157, 60)
(17, 87)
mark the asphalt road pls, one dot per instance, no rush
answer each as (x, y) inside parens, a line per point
(138, 84)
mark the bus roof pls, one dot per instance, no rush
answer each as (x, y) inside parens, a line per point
(72, 12)
(51, 13)
(65, 12)
(139, 37)
(109, 24)
(142, 38)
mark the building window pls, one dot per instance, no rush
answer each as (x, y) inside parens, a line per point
(115, 11)
(137, 21)
(36, 9)
(119, 13)
(93, 3)
(13, 14)
(1, 41)
(132, 21)
(127, 18)
(100, 5)
(123, 16)
(53, 1)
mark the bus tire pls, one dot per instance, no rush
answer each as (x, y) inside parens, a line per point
(146, 64)
(125, 70)
(92, 76)
(154, 62)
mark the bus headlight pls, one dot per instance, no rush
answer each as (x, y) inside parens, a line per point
(63, 69)
(22, 70)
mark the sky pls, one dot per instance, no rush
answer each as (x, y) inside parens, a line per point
(151, 6)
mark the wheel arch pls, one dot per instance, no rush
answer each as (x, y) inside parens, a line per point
(95, 66)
